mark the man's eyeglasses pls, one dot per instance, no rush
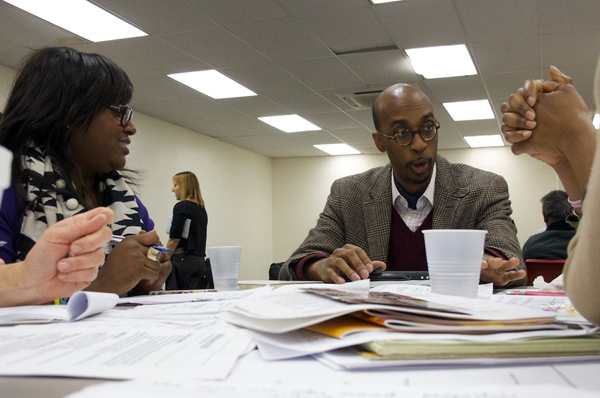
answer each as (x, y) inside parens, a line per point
(125, 112)
(428, 131)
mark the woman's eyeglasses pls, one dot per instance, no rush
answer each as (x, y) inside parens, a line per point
(125, 112)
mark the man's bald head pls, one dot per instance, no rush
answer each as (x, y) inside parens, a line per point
(396, 90)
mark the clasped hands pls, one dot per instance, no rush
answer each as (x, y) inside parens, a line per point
(353, 262)
(554, 109)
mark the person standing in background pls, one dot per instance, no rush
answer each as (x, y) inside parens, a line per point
(187, 241)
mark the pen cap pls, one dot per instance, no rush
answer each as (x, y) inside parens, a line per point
(6, 157)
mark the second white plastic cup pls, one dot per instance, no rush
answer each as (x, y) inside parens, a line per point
(225, 267)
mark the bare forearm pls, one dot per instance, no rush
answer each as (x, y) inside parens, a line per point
(580, 152)
(569, 180)
(15, 289)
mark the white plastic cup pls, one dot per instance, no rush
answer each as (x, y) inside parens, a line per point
(6, 157)
(225, 267)
(454, 260)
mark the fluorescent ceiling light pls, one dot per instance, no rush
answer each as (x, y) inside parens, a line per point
(212, 83)
(441, 61)
(382, 1)
(289, 123)
(596, 121)
(478, 141)
(469, 110)
(337, 149)
(80, 17)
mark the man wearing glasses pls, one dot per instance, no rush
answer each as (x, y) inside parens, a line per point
(375, 219)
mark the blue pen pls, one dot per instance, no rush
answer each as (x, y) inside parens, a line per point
(117, 238)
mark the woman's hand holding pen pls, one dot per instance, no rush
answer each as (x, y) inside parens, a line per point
(165, 267)
(128, 265)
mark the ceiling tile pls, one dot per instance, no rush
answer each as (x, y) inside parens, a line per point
(452, 89)
(559, 16)
(306, 150)
(506, 56)
(267, 79)
(351, 136)
(381, 67)
(281, 39)
(421, 23)
(477, 127)
(570, 49)
(347, 30)
(216, 47)
(502, 85)
(34, 33)
(363, 116)
(487, 20)
(331, 120)
(322, 73)
(155, 54)
(316, 137)
(166, 89)
(133, 69)
(233, 12)
(449, 138)
(256, 106)
(280, 49)
(303, 102)
(295, 7)
(158, 16)
(271, 152)
(268, 140)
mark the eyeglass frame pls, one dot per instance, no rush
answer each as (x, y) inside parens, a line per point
(122, 110)
(395, 137)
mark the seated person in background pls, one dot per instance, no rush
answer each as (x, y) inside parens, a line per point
(552, 243)
(69, 127)
(47, 273)
(375, 219)
(550, 121)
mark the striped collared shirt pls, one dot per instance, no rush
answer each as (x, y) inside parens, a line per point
(414, 218)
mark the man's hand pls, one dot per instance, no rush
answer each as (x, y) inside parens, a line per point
(500, 271)
(349, 260)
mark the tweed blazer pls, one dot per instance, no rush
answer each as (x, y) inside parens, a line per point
(359, 212)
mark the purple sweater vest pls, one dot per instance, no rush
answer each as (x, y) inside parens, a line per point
(406, 250)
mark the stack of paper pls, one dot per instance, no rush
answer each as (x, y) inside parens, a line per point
(309, 321)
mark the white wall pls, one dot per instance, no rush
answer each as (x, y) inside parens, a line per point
(301, 186)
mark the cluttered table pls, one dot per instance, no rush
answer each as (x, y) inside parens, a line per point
(400, 340)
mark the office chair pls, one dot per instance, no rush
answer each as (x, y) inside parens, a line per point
(549, 269)
(274, 271)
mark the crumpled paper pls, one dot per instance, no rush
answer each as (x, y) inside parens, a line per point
(556, 286)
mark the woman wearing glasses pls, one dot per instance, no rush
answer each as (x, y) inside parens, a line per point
(69, 127)
(187, 234)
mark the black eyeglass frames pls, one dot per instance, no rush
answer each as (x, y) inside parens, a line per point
(405, 137)
(125, 112)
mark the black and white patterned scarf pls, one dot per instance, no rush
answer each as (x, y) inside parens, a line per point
(47, 200)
